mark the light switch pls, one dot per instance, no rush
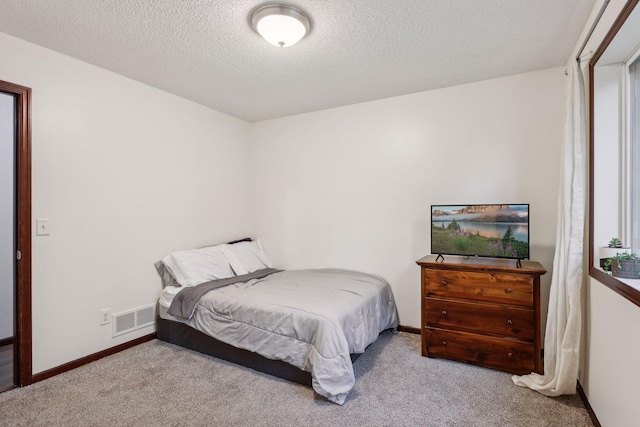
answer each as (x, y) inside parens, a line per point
(43, 227)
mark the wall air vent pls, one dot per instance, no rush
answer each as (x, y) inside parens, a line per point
(130, 320)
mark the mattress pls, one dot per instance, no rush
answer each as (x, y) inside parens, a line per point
(311, 319)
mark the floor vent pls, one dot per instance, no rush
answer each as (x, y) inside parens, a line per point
(130, 320)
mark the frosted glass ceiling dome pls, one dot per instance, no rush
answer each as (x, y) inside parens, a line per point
(281, 25)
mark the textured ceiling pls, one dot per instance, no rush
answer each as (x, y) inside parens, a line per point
(358, 50)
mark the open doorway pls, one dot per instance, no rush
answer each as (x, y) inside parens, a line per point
(15, 236)
(7, 237)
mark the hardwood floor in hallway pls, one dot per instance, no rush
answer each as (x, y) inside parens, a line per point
(6, 367)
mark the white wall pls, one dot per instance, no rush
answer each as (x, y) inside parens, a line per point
(611, 378)
(126, 173)
(352, 187)
(7, 140)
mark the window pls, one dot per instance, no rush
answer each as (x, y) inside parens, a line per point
(614, 178)
(634, 149)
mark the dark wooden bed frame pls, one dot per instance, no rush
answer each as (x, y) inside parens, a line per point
(185, 336)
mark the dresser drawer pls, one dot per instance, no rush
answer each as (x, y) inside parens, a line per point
(496, 287)
(496, 319)
(507, 355)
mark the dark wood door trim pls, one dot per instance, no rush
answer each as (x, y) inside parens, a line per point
(23, 324)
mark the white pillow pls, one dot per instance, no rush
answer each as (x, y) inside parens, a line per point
(246, 257)
(165, 275)
(196, 266)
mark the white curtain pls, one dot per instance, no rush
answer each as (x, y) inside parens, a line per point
(562, 339)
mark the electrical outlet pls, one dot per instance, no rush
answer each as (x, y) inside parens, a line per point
(105, 316)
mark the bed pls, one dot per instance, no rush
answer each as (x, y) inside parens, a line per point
(306, 326)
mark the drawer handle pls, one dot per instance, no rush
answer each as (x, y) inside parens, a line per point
(444, 343)
(444, 313)
(444, 283)
(509, 322)
(509, 290)
(510, 355)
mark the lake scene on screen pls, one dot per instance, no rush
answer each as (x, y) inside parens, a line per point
(497, 230)
(482, 230)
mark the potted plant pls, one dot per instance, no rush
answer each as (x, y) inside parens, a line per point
(624, 265)
(615, 243)
(614, 247)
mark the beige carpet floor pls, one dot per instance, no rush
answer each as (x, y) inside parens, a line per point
(159, 384)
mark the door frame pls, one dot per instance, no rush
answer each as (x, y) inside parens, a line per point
(22, 340)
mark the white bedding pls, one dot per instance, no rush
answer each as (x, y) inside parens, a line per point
(312, 319)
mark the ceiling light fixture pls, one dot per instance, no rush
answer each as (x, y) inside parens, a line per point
(281, 25)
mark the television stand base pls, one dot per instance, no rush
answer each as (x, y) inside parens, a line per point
(439, 257)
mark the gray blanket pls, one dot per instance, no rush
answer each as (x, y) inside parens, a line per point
(184, 304)
(311, 319)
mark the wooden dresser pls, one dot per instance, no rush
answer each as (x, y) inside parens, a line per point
(483, 311)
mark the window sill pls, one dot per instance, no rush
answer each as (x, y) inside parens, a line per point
(628, 288)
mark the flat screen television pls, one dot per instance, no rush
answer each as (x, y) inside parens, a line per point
(497, 231)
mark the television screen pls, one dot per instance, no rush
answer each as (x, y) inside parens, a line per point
(500, 231)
